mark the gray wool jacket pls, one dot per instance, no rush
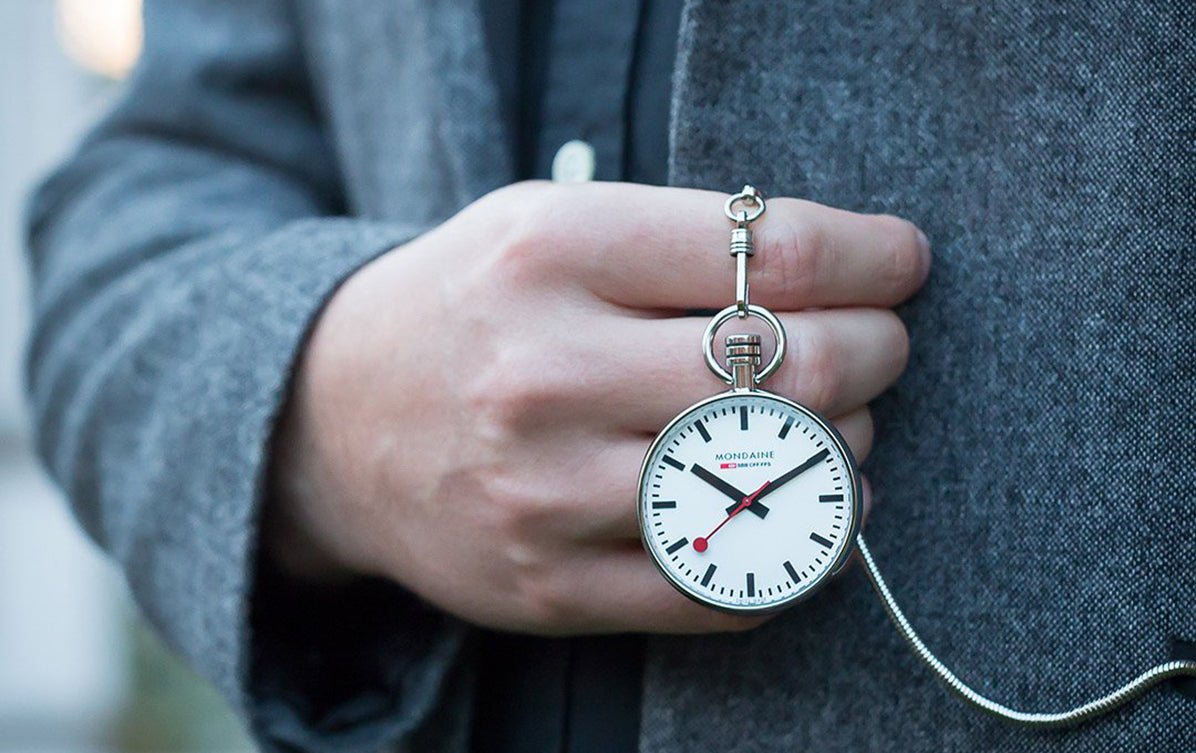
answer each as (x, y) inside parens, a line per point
(1035, 468)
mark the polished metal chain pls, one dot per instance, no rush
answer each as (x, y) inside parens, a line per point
(1042, 720)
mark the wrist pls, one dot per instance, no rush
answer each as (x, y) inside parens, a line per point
(289, 534)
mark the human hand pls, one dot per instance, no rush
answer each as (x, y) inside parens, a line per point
(471, 409)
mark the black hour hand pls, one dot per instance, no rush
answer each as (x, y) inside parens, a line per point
(755, 508)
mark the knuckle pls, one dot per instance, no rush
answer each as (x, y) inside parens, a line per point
(863, 434)
(518, 518)
(520, 254)
(523, 235)
(523, 507)
(508, 401)
(818, 374)
(545, 597)
(895, 341)
(494, 396)
(793, 254)
(868, 425)
(524, 517)
(511, 401)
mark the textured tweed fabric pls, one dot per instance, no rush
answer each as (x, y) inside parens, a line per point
(1034, 469)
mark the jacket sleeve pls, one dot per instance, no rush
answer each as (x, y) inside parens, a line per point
(179, 258)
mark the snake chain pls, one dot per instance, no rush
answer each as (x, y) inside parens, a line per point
(1078, 715)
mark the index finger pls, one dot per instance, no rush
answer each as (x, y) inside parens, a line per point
(667, 248)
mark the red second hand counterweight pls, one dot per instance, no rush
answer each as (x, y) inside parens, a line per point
(702, 542)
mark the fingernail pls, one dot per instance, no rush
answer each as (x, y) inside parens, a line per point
(924, 245)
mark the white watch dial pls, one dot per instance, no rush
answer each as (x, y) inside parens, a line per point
(748, 501)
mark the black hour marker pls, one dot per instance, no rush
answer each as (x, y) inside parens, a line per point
(751, 584)
(785, 429)
(677, 545)
(701, 427)
(830, 497)
(673, 462)
(743, 417)
(792, 573)
(664, 505)
(820, 540)
(709, 574)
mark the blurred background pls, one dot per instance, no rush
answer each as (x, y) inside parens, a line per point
(78, 670)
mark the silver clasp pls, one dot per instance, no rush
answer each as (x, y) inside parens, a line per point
(752, 206)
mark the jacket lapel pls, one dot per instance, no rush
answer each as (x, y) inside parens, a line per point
(475, 135)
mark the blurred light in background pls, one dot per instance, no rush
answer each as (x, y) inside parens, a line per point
(103, 36)
(79, 670)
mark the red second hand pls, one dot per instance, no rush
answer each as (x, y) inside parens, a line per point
(702, 542)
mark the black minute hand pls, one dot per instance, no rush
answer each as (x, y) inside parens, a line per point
(697, 470)
(789, 476)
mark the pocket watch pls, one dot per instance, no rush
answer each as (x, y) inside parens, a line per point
(748, 500)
